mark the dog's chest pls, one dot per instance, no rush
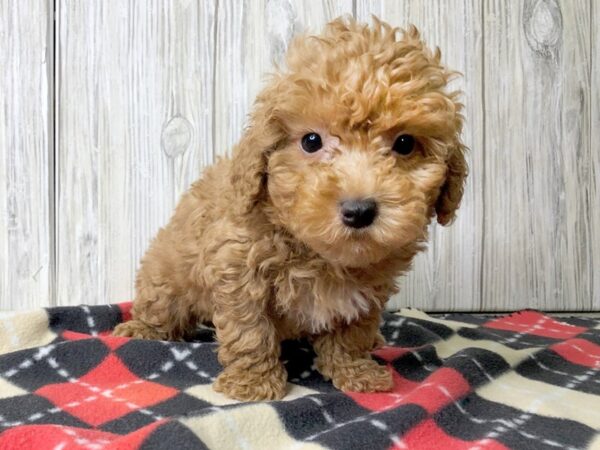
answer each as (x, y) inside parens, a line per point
(311, 303)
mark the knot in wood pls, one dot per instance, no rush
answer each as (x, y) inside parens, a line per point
(542, 22)
(176, 136)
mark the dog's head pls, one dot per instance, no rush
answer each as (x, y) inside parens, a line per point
(355, 146)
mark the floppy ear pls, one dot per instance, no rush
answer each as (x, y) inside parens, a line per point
(248, 174)
(452, 190)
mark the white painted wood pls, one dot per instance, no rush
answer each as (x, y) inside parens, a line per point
(447, 276)
(594, 149)
(26, 260)
(135, 129)
(538, 192)
(148, 93)
(251, 37)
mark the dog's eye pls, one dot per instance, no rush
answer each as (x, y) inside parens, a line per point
(311, 142)
(404, 144)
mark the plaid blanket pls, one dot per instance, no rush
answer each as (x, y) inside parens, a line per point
(525, 381)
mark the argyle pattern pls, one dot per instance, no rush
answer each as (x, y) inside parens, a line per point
(461, 381)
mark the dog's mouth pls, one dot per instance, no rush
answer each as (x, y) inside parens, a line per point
(356, 248)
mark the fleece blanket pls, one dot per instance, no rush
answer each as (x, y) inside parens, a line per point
(522, 381)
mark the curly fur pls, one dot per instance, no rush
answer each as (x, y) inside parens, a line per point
(257, 245)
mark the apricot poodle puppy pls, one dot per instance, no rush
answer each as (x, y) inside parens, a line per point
(350, 151)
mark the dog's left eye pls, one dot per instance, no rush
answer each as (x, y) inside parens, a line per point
(404, 144)
(311, 142)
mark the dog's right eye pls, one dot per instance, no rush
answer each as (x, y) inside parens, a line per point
(311, 142)
(404, 145)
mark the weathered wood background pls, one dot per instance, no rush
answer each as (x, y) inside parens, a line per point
(110, 109)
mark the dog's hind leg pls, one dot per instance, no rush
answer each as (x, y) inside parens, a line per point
(160, 313)
(158, 318)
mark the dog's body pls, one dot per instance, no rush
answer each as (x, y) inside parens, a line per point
(325, 201)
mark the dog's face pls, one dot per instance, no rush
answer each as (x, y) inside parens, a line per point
(364, 143)
(354, 196)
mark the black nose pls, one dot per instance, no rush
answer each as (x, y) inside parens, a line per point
(358, 213)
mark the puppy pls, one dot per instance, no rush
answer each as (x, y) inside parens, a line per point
(350, 151)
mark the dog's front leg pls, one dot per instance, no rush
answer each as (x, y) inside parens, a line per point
(249, 349)
(343, 355)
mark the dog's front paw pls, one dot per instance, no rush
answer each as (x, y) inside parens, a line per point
(363, 375)
(247, 385)
(138, 330)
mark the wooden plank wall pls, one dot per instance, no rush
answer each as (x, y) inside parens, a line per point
(594, 151)
(134, 129)
(26, 158)
(111, 110)
(538, 196)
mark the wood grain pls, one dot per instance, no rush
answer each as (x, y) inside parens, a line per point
(594, 148)
(102, 129)
(538, 181)
(26, 241)
(135, 129)
(447, 275)
(252, 37)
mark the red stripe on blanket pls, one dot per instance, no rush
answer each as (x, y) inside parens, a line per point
(125, 308)
(579, 351)
(72, 438)
(107, 392)
(112, 342)
(428, 436)
(533, 322)
(391, 353)
(382, 401)
(436, 391)
(134, 440)
(54, 436)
